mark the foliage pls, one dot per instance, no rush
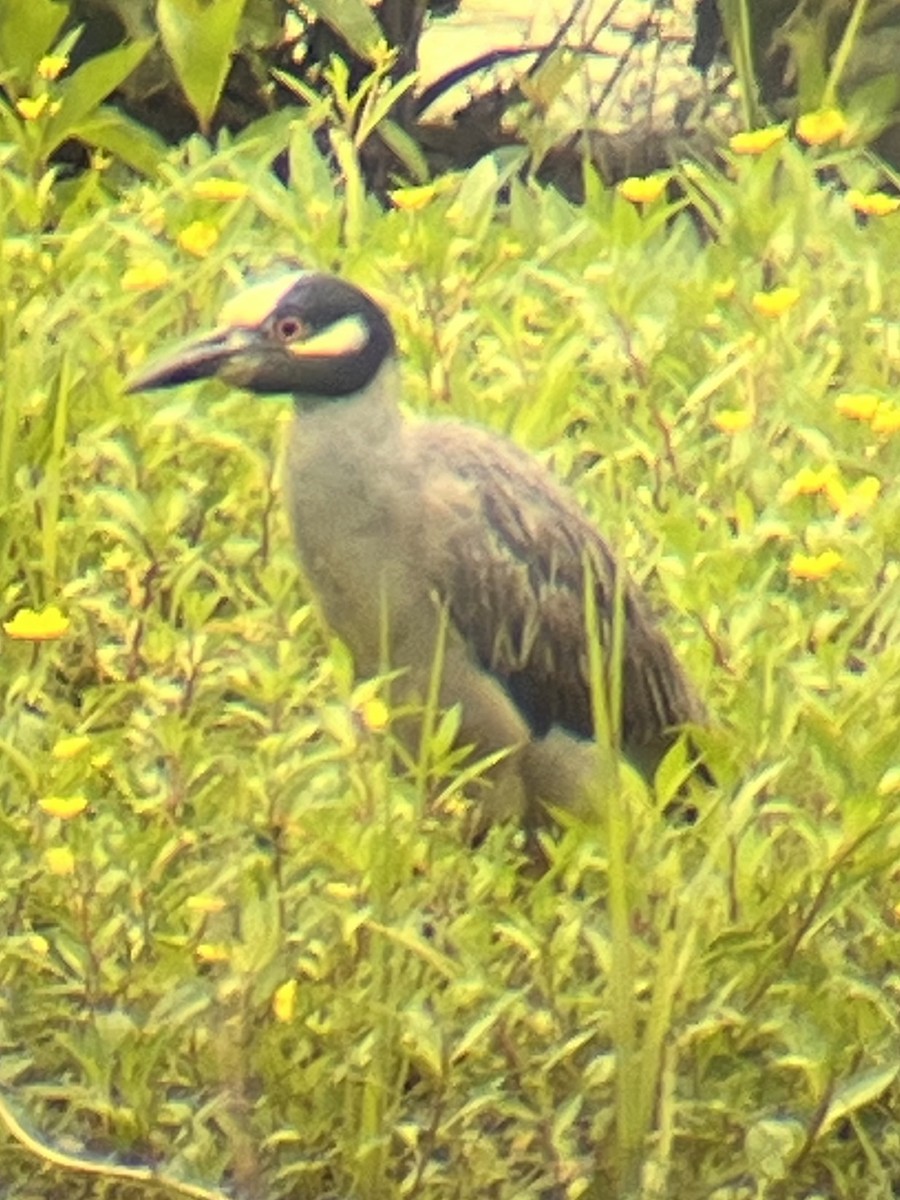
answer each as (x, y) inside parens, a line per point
(243, 947)
(796, 56)
(47, 105)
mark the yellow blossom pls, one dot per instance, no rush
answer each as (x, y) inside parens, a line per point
(64, 807)
(886, 418)
(814, 566)
(643, 189)
(822, 126)
(217, 188)
(732, 420)
(206, 903)
(414, 199)
(52, 66)
(28, 625)
(284, 1001)
(808, 482)
(146, 277)
(198, 238)
(70, 747)
(31, 107)
(757, 141)
(776, 302)
(59, 860)
(873, 204)
(213, 952)
(38, 943)
(835, 491)
(859, 406)
(724, 289)
(375, 714)
(858, 500)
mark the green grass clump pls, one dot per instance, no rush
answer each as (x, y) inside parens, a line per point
(238, 945)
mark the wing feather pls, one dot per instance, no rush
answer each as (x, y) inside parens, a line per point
(506, 550)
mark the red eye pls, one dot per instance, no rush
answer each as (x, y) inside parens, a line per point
(288, 328)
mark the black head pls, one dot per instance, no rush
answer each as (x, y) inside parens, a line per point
(306, 333)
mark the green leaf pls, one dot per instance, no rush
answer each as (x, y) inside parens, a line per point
(27, 31)
(377, 111)
(132, 143)
(85, 91)
(858, 1091)
(354, 185)
(185, 25)
(354, 21)
(476, 200)
(406, 148)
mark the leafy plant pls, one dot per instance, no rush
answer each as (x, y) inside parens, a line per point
(47, 106)
(243, 946)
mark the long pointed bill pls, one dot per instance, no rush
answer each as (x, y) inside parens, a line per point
(200, 358)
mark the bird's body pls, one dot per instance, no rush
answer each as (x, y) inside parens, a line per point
(428, 537)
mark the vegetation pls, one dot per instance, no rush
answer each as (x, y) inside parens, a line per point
(242, 948)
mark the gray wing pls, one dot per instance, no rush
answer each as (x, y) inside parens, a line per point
(506, 552)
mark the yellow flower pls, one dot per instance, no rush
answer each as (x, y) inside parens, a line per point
(284, 1001)
(757, 141)
(146, 277)
(858, 500)
(814, 566)
(375, 714)
(64, 807)
(643, 189)
(213, 952)
(198, 238)
(822, 126)
(873, 204)
(60, 860)
(204, 902)
(886, 418)
(70, 747)
(808, 482)
(776, 302)
(52, 66)
(217, 188)
(835, 491)
(414, 199)
(31, 626)
(38, 943)
(732, 420)
(724, 289)
(859, 406)
(31, 107)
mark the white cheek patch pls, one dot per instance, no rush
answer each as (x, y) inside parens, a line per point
(347, 336)
(250, 308)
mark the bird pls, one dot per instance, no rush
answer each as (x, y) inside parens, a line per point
(435, 544)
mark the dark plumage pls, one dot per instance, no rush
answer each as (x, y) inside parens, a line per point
(398, 522)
